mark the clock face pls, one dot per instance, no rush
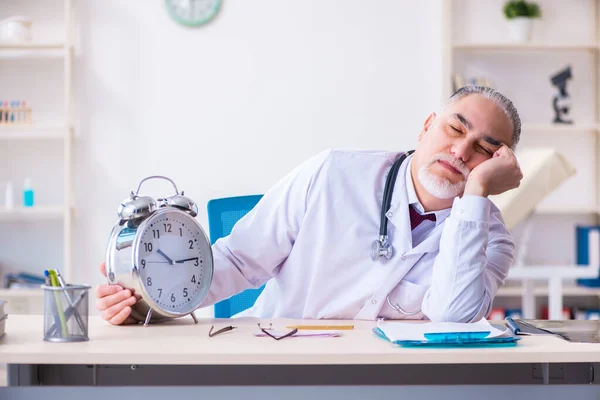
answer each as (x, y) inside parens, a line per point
(193, 12)
(174, 261)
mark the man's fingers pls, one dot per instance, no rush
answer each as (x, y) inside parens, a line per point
(121, 316)
(115, 309)
(105, 290)
(108, 301)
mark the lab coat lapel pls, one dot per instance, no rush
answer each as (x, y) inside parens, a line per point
(431, 243)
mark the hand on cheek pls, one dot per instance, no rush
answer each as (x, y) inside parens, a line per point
(496, 175)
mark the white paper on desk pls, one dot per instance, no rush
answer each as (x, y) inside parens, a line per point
(318, 333)
(416, 331)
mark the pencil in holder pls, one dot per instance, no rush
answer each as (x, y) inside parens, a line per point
(66, 312)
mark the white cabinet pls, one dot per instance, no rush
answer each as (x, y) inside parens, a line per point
(40, 72)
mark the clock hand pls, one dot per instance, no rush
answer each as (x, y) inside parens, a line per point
(187, 259)
(159, 251)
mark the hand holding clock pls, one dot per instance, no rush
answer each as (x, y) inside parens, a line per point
(114, 302)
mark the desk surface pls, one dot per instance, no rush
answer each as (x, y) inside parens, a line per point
(181, 342)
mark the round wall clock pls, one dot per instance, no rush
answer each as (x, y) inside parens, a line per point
(193, 12)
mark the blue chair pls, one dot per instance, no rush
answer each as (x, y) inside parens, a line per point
(222, 216)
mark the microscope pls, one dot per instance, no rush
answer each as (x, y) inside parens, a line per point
(561, 101)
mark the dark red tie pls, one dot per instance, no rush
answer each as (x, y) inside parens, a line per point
(416, 218)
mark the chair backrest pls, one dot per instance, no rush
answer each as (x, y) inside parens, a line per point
(223, 214)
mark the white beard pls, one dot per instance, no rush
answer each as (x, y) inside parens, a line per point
(440, 187)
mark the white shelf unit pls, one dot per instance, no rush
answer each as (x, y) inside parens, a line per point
(542, 291)
(474, 48)
(32, 132)
(451, 47)
(526, 46)
(23, 301)
(36, 134)
(33, 50)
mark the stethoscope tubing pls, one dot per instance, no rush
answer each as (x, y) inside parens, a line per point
(382, 247)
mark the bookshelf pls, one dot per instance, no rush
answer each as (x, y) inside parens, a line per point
(33, 50)
(37, 213)
(525, 46)
(32, 132)
(48, 57)
(476, 44)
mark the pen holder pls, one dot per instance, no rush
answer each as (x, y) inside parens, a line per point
(66, 313)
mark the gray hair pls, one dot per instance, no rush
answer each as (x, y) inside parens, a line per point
(500, 100)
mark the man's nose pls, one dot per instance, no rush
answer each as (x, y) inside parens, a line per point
(461, 150)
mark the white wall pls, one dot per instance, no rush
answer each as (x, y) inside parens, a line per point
(229, 108)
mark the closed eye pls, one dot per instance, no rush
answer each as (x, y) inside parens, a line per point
(486, 151)
(456, 129)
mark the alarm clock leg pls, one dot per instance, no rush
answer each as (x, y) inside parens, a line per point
(194, 318)
(148, 316)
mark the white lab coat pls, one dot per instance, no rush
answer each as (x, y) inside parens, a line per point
(309, 239)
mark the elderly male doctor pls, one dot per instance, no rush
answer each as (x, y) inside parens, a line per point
(309, 238)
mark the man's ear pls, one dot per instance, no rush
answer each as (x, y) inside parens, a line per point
(427, 124)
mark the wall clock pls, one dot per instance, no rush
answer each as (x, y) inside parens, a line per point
(193, 12)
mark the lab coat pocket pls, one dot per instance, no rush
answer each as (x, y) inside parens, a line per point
(406, 300)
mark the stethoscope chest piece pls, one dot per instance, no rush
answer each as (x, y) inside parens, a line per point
(381, 248)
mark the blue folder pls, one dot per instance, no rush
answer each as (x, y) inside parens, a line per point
(454, 339)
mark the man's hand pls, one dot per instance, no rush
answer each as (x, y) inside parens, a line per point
(496, 175)
(114, 302)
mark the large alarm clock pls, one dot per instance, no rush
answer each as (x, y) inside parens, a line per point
(160, 252)
(193, 12)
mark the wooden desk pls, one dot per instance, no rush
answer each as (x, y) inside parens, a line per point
(117, 355)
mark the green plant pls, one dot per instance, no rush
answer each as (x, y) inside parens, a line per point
(521, 8)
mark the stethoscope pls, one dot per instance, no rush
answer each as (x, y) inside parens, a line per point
(381, 247)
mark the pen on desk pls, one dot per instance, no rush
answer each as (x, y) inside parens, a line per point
(322, 327)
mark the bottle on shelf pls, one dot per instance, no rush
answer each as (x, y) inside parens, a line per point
(4, 111)
(28, 198)
(9, 196)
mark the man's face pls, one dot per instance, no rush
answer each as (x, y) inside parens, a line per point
(451, 144)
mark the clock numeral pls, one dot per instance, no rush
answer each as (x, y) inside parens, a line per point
(180, 232)
(185, 293)
(149, 281)
(196, 263)
(143, 263)
(167, 228)
(148, 247)
(156, 233)
(172, 297)
(191, 242)
(159, 292)
(193, 278)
